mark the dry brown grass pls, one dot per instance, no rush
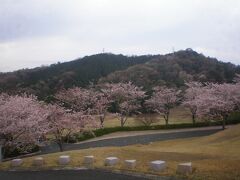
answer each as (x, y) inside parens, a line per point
(213, 157)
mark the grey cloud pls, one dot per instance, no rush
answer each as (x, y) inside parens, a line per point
(43, 32)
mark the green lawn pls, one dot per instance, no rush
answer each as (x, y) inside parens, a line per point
(178, 115)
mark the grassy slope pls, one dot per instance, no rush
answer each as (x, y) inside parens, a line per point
(213, 157)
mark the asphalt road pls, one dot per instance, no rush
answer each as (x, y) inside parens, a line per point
(124, 141)
(71, 175)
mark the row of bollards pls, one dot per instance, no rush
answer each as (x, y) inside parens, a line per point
(157, 166)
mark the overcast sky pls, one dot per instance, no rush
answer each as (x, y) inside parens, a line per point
(41, 32)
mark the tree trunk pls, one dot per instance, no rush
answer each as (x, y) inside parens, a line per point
(3, 151)
(193, 119)
(224, 122)
(123, 120)
(68, 136)
(1, 155)
(101, 121)
(59, 139)
(166, 119)
(60, 145)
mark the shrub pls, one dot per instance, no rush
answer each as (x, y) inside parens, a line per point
(234, 118)
(13, 151)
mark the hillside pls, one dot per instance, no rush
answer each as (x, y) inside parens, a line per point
(175, 68)
(44, 81)
(147, 71)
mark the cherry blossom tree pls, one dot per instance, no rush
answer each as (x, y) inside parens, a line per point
(101, 103)
(21, 120)
(77, 99)
(61, 123)
(126, 98)
(190, 97)
(87, 101)
(24, 120)
(216, 102)
(163, 100)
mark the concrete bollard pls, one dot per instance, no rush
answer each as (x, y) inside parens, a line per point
(88, 160)
(157, 165)
(16, 162)
(130, 164)
(111, 161)
(184, 168)
(38, 161)
(64, 160)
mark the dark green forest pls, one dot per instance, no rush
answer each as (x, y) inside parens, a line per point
(174, 69)
(147, 71)
(45, 81)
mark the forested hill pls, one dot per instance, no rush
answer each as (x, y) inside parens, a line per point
(174, 69)
(147, 71)
(44, 81)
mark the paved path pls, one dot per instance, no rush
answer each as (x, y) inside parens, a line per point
(72, 175)
(130, 140)
(146, 132)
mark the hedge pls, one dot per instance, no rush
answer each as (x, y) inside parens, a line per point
(104, 131)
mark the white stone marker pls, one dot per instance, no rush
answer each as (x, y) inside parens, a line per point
(16, 162)
(64, 160)
(184, 168)
(158, 165)
(38, 161)
(88, 160)
(111, 161)
(130, 164)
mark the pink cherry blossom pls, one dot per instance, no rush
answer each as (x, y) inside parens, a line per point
(61, 123)
(21, 119)
(191, 93)
(126, 97)
(87, 101)
(163, 100)
(216, 102)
